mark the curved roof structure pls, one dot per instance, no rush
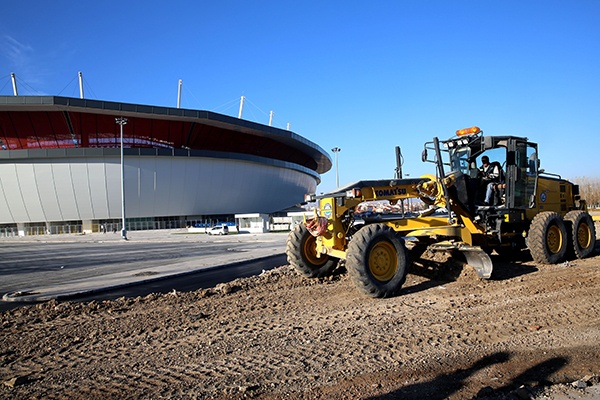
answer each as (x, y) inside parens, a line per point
(60, 161)
(42, 122)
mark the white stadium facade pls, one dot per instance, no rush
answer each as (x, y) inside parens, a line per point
(60, 166)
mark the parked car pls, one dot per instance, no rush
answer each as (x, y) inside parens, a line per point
(219, 230)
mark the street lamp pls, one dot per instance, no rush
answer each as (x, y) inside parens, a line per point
(122, 121)
(336, 150)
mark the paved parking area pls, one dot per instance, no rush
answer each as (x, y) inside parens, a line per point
(37, 268)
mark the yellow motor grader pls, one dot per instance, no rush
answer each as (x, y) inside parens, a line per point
(529, 209)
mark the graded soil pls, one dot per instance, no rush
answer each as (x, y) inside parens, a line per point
(448, 335)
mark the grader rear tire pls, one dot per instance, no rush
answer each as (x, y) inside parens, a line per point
(377, 261)
(547, 239)
(581, 233)
(302, 255)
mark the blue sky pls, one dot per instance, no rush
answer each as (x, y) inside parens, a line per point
(362, 76)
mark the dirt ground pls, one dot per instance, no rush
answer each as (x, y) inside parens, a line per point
(448, 335)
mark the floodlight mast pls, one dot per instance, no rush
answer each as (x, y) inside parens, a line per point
(336, 150)
(122, 121)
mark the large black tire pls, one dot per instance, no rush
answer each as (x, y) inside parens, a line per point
(377, 261)
(581, 233)
(302, 255)
(547, 239)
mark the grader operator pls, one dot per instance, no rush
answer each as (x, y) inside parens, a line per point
(530, 209)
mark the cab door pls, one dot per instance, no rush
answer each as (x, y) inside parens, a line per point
(523, 173)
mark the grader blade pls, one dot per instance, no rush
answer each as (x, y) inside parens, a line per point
(479, 260)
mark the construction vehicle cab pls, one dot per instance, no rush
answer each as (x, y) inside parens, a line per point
(513, 199)
(527, 208)
(515, 156)
(522, 192)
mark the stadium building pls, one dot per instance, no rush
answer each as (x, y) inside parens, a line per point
(60, 166)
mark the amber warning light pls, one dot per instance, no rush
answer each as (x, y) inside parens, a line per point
(353, 193)
(468, 131)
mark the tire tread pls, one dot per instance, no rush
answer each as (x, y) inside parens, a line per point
(357, 256)
(537, 238)
(297, 260)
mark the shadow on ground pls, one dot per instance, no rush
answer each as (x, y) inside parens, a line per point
(446, 385)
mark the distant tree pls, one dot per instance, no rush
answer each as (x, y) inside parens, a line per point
(589, 188)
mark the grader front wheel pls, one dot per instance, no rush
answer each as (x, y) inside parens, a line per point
(302, 255)
(377, 261)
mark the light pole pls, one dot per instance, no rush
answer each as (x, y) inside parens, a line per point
(122, 121)
(336, 150)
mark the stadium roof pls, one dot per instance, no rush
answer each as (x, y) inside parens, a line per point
(42, 122)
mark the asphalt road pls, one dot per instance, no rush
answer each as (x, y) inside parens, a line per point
(104, 266)
(193, 281)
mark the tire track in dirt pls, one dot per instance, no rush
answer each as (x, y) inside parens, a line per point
(281, 335)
